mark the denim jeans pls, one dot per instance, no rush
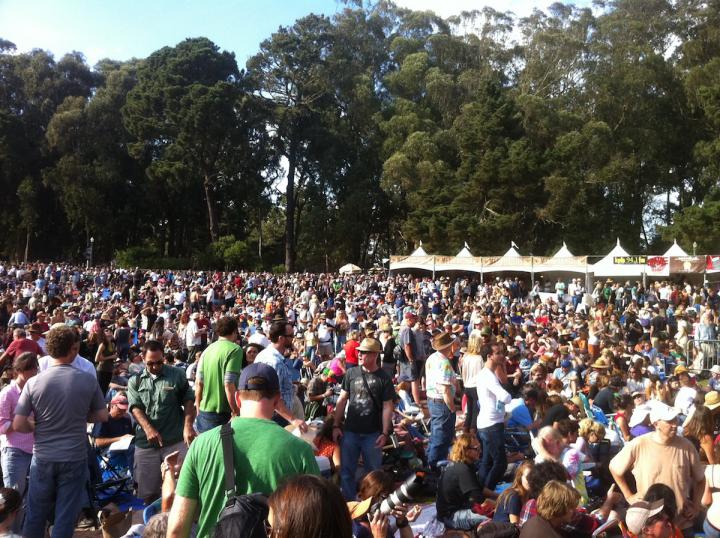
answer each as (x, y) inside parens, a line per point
(709, 530)
(340, 340)
(15, 467)
(494, 459)
(442, 431)
(352, 445)
(464, 520)
(62, 484)
(207, 420)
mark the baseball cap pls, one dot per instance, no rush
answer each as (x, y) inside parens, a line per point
(566, 364)
(259, 376)
(120, 400)
(662, 412)
(638, 513)
(259, 339)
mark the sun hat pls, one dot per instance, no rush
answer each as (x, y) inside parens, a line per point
(442, 341)
(715, 369)
(600, 363)
(712, 399)
(639, 414)
(359, 508)
(370, 345)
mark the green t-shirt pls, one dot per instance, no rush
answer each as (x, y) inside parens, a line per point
(265, 454)
(217, 360)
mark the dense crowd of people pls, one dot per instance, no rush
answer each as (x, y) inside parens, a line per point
(252, 404)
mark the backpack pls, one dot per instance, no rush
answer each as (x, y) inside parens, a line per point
(497, 529)
(243, 515)
(398, 353)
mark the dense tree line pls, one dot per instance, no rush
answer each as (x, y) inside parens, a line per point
(348, 138)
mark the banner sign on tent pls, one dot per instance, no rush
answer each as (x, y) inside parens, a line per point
(712, 263)
(687, 264)
(629, 260)
(657, 265)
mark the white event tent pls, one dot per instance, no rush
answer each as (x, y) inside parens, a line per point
(608, 268)
(462, 261)
(675, 250)
(563, 262)
(418, 259)
(511, 261)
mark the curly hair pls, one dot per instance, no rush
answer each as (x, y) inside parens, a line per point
(460, 449)
(543, 473)
(60, 341)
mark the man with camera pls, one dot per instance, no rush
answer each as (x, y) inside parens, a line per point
(366, 406)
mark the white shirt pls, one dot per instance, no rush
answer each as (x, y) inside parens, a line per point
(491, 399)
(637, 386)
(192, 338)
(79, 363)
(684, 399)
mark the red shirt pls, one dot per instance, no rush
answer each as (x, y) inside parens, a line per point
(18, 347)
(203, 323)
(351, 354)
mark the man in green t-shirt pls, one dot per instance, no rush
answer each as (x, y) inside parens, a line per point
(217, 377)
(264, 455)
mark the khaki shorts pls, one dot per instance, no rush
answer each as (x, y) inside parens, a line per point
(147, 468)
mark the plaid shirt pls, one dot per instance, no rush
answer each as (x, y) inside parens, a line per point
(582, 524)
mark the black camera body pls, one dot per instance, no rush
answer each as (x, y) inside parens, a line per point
(405, 493)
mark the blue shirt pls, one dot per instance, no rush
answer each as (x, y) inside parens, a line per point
(520, 416)
(273, 358)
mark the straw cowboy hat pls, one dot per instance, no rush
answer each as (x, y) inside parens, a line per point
(712, 399)
(370, 345)
(442, 341)
(359, 508)
(600, 363)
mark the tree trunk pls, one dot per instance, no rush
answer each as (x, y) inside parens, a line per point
(27, 245)
(212, 213)
(290, 248)
(260, 238)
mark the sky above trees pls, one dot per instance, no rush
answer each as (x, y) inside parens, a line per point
(122, 30)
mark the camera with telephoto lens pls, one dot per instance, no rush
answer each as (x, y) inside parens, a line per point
(405, 493)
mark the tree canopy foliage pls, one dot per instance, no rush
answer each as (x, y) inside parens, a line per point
(351, 137)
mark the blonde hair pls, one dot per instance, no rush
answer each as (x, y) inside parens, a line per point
(588, 426)
(475, 343)
(459, 451)
(556, 499)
